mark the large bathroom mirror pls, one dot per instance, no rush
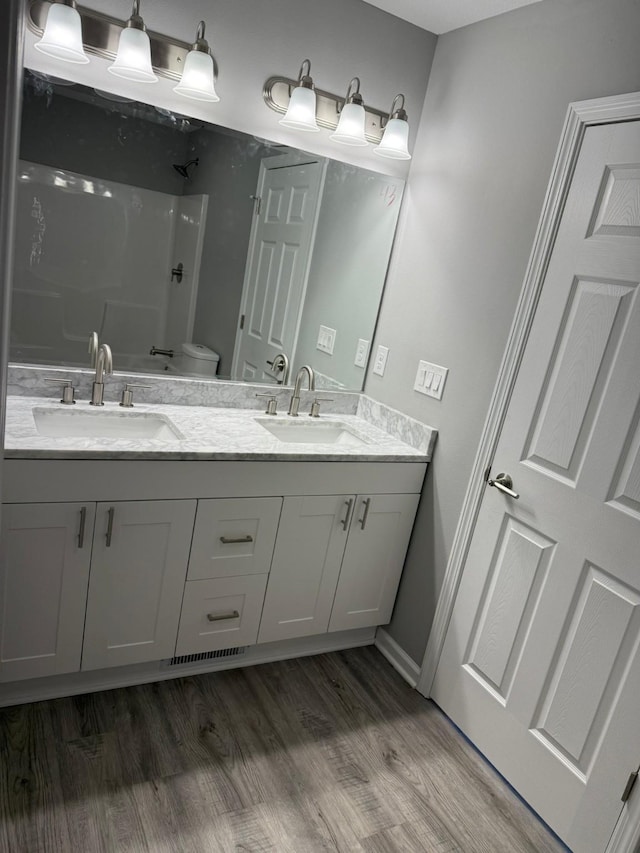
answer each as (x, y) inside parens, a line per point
(156, 231)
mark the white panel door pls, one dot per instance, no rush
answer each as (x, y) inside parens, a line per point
(44, 572)
(373, 561)
(277, 265)
(306, 564)
(140, 555)
(541, 664)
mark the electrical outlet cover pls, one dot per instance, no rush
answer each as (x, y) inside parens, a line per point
(362, 352)
(380, 361)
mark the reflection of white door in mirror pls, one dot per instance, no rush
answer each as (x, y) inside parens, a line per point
(280, 249)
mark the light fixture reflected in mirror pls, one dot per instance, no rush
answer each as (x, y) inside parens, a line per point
(133, 60)
(301, 113)
(394, 143)
(350, 130)
(198, 80)
(62, 36)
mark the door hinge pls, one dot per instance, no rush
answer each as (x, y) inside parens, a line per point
(257, 202)
(631, 781)
(242, 321)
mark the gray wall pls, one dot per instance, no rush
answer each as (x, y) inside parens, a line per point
(355, 232)
(228, 174)
(497, 96)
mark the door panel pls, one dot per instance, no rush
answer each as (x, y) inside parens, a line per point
(44, 573)
(137, 580)
(306, 565)
(541, 663)
(373, 560)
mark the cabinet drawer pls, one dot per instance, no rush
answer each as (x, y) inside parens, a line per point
(234, 537)
(220, 613)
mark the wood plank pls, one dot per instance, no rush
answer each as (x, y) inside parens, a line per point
(330, 753)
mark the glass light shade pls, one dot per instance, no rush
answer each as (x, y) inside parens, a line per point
(301, 114)
(197, 81)
(350, 129)
(395, 140)
(133, 60)
(62, 37)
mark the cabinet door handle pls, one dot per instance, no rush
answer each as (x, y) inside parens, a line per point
(366, 503)
(345, 520)
(219, 617)
(110, 514)
(83, 522)
(239, 541)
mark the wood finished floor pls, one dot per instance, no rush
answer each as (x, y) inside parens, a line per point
(330, 753)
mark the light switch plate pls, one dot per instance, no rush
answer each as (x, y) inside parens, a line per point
(380, 361)
(430, 379)
(362, 352)
(326, 340)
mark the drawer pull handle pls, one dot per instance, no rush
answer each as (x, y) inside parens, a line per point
(110, 515)
(83, 522)
(345, 520)
(219, 617)
(366, 503)
(239, 541)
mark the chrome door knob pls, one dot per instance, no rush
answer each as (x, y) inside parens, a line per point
(505, 484)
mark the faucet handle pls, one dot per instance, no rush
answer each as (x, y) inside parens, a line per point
(127, 394)
(315, 406)
(272, 403)
(68, 391)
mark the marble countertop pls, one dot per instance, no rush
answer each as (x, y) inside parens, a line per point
(205, 433)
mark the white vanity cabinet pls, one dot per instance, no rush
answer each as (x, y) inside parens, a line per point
(177, 558)
(44, 572)
(337, 563)
(138, 571)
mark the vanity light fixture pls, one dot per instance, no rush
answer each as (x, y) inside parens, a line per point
(394, 143)
(133, 59)
(198, 79)
(350, 130)
(62, 36)
(301, 113)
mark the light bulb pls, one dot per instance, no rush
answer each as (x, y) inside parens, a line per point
(197, 81)
(62, 36)
(301, 113)
(350, 129)
(395, 139)
(133, 60)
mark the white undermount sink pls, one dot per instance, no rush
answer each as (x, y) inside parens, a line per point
(311, 431)
(82, 423)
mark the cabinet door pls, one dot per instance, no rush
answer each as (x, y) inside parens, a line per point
(140, 555)
(44, 572)
(306, 564)
(234, 537)
(220, 613)
(373, 561)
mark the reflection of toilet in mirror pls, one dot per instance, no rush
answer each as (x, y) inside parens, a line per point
(196, 360)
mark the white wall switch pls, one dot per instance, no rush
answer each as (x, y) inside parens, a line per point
(326, 339)
(430, 379)
(380, 361)
(362, 352)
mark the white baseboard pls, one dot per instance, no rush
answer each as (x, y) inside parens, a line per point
(397, 657)
(56, 686)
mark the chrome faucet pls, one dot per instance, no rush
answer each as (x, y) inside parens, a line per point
(280, 363)
(104, 367)
(295, 397)
(94, 346)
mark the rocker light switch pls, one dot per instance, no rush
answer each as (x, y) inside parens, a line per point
(430, 379)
